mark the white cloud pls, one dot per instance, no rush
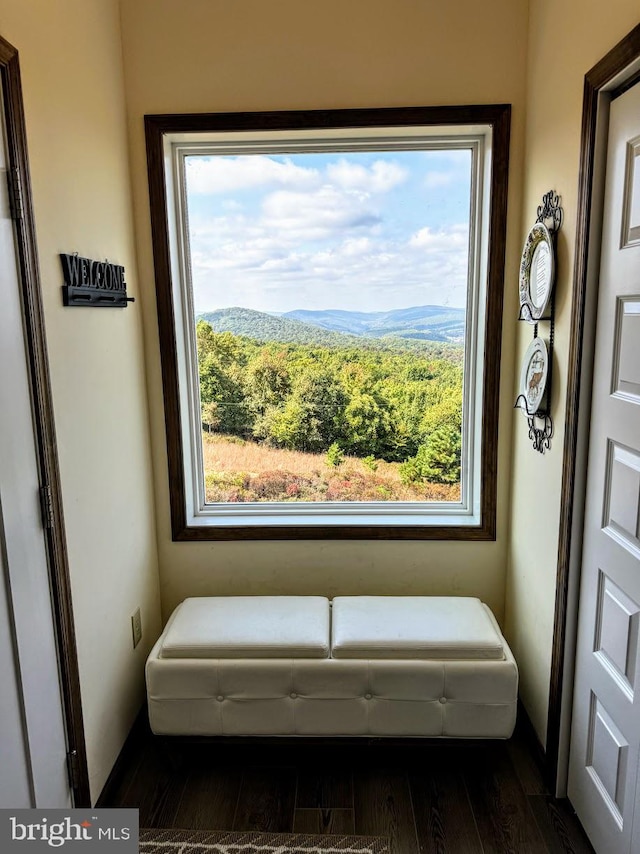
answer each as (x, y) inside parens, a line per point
(211, 175)
(380, 178)
(311, 238)
(319, 214)
(454, 238)
(359, 272)
(215, 175)
(243, 255)
(357, 246)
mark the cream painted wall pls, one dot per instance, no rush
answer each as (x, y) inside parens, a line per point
(566, 38)
(71, 62)
(208, 55)
(214, 55)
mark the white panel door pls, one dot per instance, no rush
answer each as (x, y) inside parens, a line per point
(32, 733)
(605, 739)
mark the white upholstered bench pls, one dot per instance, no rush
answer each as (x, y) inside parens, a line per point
(358, 666)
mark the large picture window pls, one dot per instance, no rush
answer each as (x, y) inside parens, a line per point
(329, 298)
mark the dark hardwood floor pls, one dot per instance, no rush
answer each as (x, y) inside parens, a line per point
(429, 798)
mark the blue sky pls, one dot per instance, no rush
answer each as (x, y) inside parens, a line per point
(355, 231)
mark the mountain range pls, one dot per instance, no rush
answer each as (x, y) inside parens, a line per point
(337, 328)
(422, 322)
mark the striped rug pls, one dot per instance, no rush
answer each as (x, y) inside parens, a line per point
(155, 841)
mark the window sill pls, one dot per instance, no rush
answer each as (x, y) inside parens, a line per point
(271, 525)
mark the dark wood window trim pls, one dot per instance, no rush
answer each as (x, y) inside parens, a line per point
(44, 424)
(599, 78)
(499, 118)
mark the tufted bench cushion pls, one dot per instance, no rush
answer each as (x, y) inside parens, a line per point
(389, 682)
(248, 627)
(424, 627)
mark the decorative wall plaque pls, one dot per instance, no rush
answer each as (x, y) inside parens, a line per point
(533, 376)
(95, 283)
(537, 270)
(537, 274)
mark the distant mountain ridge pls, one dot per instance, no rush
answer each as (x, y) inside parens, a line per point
(400, 328)
(423, 322)
(270, 327)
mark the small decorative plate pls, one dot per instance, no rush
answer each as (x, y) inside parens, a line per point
(533, 376)
(537, 271)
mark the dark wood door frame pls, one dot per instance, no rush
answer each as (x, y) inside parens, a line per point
(44, 420)
(613, 74)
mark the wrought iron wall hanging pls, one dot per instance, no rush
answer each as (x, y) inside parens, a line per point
(537, 305)
(95, 283)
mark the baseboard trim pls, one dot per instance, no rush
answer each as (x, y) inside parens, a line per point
(125, 758)
(530, 736)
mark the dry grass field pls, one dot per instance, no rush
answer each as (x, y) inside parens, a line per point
(243, 471)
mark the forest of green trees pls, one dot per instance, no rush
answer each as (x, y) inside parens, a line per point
(372, 403)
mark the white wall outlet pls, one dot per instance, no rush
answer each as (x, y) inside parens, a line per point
(136, 628)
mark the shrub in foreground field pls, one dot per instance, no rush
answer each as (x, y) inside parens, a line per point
(335, 455)
(370, 462)
(437, 460)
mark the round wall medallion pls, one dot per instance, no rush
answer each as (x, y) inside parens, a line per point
(537, 271)
(533, 375)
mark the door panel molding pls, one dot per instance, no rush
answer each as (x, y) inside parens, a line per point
(44, 420)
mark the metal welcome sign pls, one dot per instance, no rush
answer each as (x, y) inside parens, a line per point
(96, 283)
